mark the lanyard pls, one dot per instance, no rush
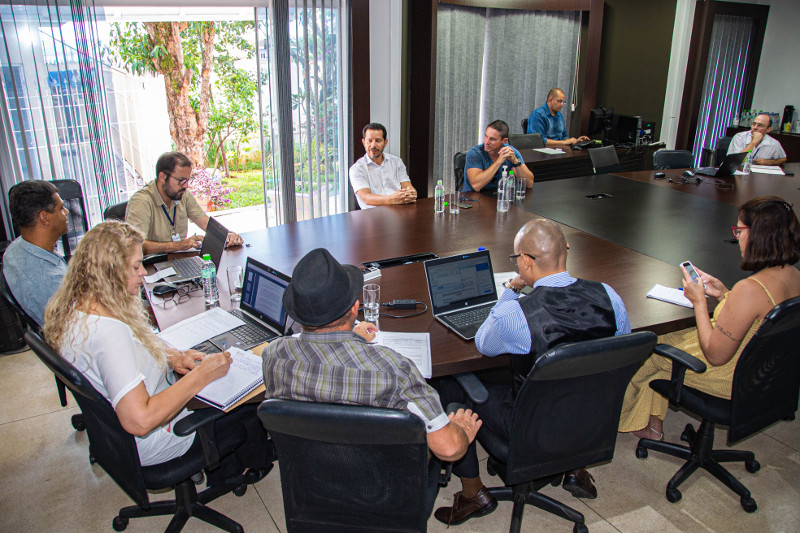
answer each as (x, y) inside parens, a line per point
(166, 214)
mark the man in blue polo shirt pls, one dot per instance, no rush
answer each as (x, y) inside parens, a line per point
(484, 163)
(548, 120)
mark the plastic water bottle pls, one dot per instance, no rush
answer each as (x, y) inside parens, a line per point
(748, 162)
(209, 275)
(512, 186)
(502, 192)
(438, 198)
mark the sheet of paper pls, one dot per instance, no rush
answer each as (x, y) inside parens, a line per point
(551, 151)
(199, 328)
(415, 346)
(500, 278)
(159, 275)
(767, 169)
(668, 294)
(244, 373)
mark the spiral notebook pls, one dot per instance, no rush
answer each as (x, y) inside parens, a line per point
(244, 378)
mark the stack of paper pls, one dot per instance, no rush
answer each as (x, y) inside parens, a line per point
(668, 294)
(244, 377)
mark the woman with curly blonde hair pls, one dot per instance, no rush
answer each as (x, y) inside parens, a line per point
(97, 321)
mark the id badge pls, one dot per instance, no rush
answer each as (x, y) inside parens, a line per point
(176, 237)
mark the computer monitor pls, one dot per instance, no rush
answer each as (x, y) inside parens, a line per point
(625, 129)
(599, 120)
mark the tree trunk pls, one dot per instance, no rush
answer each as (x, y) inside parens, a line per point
(187, 126)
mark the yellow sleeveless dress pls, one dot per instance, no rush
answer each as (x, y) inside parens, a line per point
(641, 401)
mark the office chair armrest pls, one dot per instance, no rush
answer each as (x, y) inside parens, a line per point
(475, 390)
(200, 421)
(684, 361)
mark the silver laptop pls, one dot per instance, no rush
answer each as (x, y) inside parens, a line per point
(188, 268)
(261, 308)
(462, 291)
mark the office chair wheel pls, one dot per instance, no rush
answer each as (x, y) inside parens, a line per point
(119, 523)
(673, 495)
(240, 490)
(752, 466)
(580, 528)
(748, 504)
(641, 452)
(688, 434)
(77, 423)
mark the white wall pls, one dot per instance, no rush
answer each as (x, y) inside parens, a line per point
(385, 67)
(678, 59)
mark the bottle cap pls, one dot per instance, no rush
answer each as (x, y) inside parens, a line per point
(481, 248)
(206, 257)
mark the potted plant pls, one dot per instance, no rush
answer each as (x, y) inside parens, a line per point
(208, 189)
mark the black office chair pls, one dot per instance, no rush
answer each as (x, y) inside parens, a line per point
(721, 149)
(115, 212)
(459, 162)
(604, 160)
(565, 417)
(524, 125)
(351, 468)
(115, 451)
(667, 159)
(766, 384)
(527, 140)
(71, 193)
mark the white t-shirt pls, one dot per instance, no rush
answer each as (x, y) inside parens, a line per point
(105, 351)
(381, 179)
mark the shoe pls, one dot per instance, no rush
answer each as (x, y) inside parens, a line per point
(465, 508)
(579, 483)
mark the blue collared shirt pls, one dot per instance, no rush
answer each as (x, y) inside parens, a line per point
(550, 126)
(506, 329)
(33, 275)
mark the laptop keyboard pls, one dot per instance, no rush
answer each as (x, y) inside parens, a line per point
(187, 267)
(249, 333)
(469, 317)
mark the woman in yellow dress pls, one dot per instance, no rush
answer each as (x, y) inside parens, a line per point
(769, 240)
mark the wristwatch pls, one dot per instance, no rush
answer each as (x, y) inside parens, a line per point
(515, 165)
(509, 286)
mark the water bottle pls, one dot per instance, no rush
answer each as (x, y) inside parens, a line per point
(502, 192)
(512, 186)
(438, 198)
(735, 122)
(208, 273)
(748, 161)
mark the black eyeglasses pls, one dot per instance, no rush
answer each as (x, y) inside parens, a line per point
(180, 295)
(515, 257)
(181, 181)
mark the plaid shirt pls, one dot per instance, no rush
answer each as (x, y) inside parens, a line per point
(341, 367)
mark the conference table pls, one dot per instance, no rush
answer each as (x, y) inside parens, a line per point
(631, 240)
(574, 163)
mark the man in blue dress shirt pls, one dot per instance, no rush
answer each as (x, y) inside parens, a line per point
(559, 309)
(548, 120)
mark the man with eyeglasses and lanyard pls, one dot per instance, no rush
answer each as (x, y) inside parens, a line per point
(549, 122)
(162, 209)
(558, 309)
(766, 150)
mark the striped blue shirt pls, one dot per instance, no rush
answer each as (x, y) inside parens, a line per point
(506, 329)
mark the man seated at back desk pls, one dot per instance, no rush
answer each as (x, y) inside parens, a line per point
(484, 163)
(766, 150)
(548, 121)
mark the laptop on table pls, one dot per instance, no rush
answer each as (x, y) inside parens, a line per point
(261, 308)
(188, 268)
(462, 291)
(727, 168)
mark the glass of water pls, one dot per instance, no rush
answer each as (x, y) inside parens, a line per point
(372, 303)
(235, 281)
(522, 184)
(452, 202)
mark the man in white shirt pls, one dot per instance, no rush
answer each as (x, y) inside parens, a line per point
(766, 150)
(378, 178)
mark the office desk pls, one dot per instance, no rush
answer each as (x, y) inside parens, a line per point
(392, 231)
(574, 163)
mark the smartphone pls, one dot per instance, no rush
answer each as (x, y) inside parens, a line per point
(692, 272)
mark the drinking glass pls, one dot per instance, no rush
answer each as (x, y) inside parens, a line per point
(452, 202)
(372, 302)
(235, 282)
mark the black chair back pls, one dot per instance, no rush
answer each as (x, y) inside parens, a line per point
(350, 468)
(721, 149)
(71, 193)
(666, 159)
(567, 412)
(604, 159)
(766, 382)
(524, 125)
(527, 140)
(113, 448)
(115, 212)
(459, 162)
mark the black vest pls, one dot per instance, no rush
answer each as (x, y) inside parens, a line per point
(578, 312)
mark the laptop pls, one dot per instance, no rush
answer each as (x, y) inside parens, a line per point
(462, 291)
(728, 167)
(261, 308)
(188, 268)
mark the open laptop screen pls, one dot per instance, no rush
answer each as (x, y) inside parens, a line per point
(460, 281)
(262, 293)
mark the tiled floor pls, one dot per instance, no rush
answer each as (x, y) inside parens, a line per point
(47, 483)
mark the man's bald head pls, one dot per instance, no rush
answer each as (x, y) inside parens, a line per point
(544, 240)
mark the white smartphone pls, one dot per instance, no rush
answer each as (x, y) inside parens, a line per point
(692, 272)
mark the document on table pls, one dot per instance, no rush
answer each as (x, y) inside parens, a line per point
(199, 328)
(670, 295)
(551, 151)
(244, 376)
(767, 169)
(415, 346)
(502, 277)
(159, 275)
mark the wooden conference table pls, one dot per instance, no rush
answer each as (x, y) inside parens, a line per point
(574, 163)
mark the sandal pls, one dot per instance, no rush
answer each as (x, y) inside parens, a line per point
(659, 434)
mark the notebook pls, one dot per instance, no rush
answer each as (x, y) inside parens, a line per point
(462, 291)
(727, 168)
(188, 268)
(244, 377)
(261, 308)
